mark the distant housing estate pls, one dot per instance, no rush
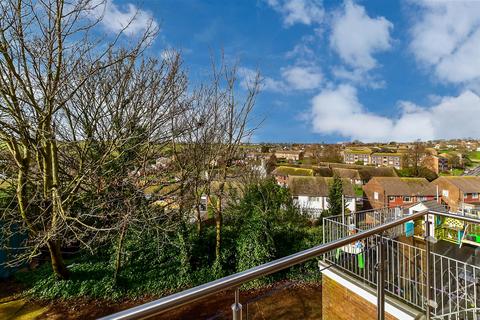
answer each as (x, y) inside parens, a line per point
(366, 156)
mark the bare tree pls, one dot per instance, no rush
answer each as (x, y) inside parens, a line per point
(79, 118)
(219, 121)
(413, 157)
(196, 150)
(235, 116)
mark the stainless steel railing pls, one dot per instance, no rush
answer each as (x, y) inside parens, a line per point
(234, 281)
(454, 286)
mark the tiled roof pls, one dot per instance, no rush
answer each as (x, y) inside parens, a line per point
(466, 184)
(358, 150)
(316, 186)
(323, 171)
(388, 154)
(369, 172)
(435, 206)
(292, 171)
(405, 186)
(346, 173)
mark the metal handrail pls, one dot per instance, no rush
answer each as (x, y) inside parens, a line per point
(235, 280)
(361, 211)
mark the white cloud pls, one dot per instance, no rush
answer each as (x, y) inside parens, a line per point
(359, 77)
(115, 18)
(268, 84)
(446, 37)
(356, 37)
(293, 78)
(303, 50)
(338, 111)
(299, 11)
(302, 78)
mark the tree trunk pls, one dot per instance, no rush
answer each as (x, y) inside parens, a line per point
(58, 264)
(218, 239)
(199, 218)
(118, 258)
(218, 227)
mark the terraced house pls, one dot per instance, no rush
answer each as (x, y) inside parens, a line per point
(311, 194)
(289, 155)
(460, 193)
(392, 192)
(387, 159)
(282, 173)
(357, 155)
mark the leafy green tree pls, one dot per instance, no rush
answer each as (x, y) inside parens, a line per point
(268, 225)
(262, 209)
(335, 196)
(422, 172)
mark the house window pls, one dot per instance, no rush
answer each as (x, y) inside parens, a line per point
(391, 198)
(406, 199)
(314, 199)
(445, 193)
(375, 195)
(465, 195)
(475, 195)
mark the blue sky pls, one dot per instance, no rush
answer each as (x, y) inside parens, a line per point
(334, 71)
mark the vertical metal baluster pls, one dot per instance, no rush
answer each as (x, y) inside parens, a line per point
(475, 312)
(380, 279)
(449, 286)
(237, 307)
(398, 270)
(415, 273)
(387, 263)
(427, 253)
(434, 282)
(403, 271)
(442, 281)
(456, 289)
(422, 259)
(466, 285)
(409, 275)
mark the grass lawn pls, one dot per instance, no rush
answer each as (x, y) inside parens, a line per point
(457, 172)
(474, 156)
(358, 190)
(453, 172)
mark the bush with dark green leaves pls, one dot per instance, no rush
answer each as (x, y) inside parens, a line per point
(259, 226)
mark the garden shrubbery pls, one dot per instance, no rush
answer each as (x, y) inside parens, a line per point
(260, 226)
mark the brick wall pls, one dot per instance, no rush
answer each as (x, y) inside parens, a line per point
(369, 189)
(453, 200)
(339, 303)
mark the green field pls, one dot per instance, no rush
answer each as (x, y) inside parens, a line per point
(453, 172)
(474, 156)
